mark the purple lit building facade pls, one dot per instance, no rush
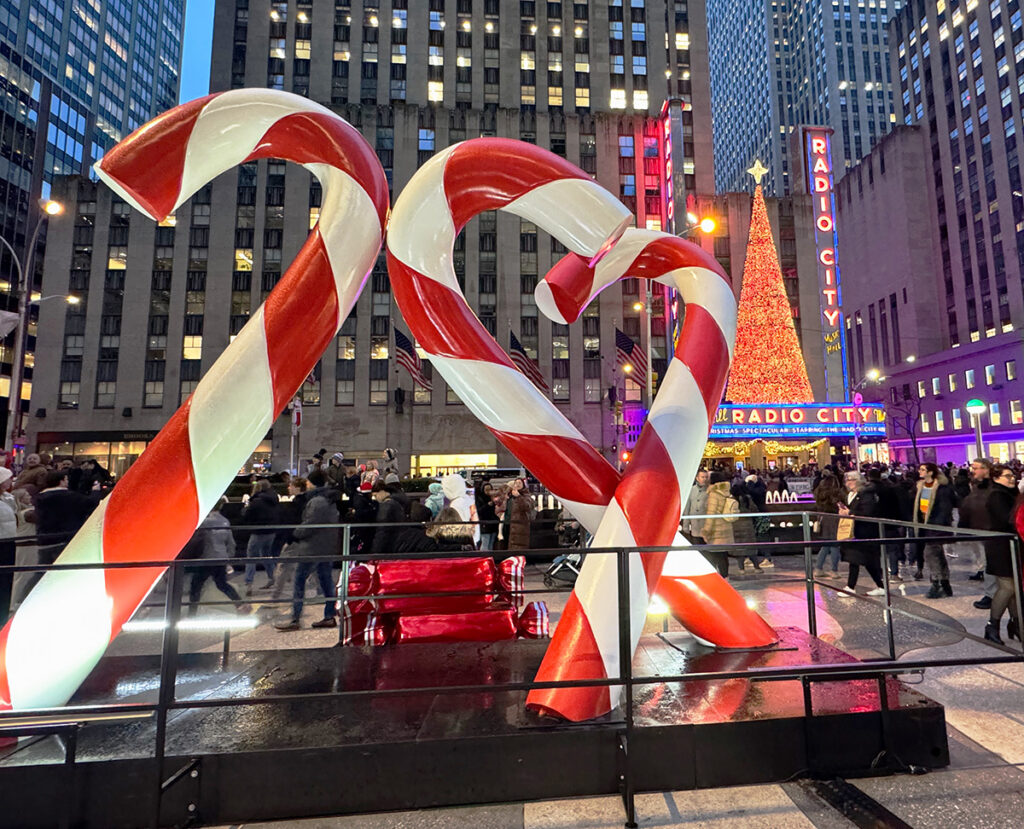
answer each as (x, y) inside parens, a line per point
(927, 403)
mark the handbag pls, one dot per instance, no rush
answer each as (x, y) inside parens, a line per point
(845, 529)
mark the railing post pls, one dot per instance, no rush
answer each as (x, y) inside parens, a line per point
(168, 678)
(626, 675)
(1015, 561)
(346, 551)
(812, 610)
(888, 596)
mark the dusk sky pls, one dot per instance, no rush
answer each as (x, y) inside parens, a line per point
(195, 63)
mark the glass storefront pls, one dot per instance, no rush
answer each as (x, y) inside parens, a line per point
(431, 465)
(116, 456)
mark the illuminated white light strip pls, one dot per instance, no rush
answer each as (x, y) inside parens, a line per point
(203, 623)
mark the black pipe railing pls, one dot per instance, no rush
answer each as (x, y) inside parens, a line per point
(19, 722)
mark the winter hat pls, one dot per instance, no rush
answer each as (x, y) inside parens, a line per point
(750, 479)
(5, 474)
(338, 456)
(391, 478)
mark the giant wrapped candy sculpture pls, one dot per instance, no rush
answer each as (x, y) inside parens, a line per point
(45, 651)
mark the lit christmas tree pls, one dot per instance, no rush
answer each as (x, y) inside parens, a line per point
(767, 365)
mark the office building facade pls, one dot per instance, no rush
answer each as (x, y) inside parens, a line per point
(585, 80)
(76, 77)
(779, 64)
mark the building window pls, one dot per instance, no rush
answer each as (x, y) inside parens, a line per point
(990, 375)
(940, 422)
(921, 391)
(926, 427)
(995, 417)
(1011, 369)
(969, 376)
(952, 382)
(192, 347)
(153, 396)
(1016, 416)
(958, 422)
(69, 395)
(936, 386)
(378, 382)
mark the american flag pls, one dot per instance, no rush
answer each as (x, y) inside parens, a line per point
(524, 363)
(630, 353)
(405, 355)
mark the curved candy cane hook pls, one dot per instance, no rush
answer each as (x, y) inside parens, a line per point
(45, 653)
(486, 174)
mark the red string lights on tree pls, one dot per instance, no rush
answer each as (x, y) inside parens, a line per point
(768, 366)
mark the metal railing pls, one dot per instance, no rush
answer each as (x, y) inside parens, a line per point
(49, 720)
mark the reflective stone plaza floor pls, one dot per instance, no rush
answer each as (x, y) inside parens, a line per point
(982, 787)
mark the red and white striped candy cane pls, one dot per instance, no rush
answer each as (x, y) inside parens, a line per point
(487, 174)
(62, 629)
(649, 499)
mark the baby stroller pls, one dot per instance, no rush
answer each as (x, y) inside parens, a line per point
(565, 569)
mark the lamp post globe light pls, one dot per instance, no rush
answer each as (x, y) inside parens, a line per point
(976, 408)
(23, 265)
(872, 375)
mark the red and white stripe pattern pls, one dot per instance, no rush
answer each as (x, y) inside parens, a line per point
(648, 501)
(62, 629)
(446, 192)
(641, 509)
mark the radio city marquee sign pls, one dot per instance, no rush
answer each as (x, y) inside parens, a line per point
(811, 420)
(818, 146)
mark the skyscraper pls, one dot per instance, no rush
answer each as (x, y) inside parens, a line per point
(586, 80)
(778, 64)
(77, 77)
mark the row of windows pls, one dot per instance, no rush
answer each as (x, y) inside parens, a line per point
(969, 379)
(938, 422)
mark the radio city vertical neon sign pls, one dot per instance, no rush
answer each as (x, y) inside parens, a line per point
(820, 179)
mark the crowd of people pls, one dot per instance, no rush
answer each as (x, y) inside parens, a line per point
(48, 498)
(295, 537)
(382, 518)
(931, 499)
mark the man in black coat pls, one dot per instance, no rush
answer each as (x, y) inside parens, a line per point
(888, 508)
(975, 515)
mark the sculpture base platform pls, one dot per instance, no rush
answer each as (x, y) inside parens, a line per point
(320, 756)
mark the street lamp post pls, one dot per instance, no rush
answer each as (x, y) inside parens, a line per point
(976, 408)
(870, 376)
(23, 266)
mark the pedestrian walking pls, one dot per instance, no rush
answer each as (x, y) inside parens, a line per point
(828, 495)
(1001, 505)
(520, 512)
(696, 504)
(454, 488)
(861, 502)
(716, 530)
(435, 500)
(262, 510)
(212, 540)
(488, 517)
(933, 507)
(312, 539)
(973, 514)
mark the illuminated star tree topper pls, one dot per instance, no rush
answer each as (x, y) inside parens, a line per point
(767, 366)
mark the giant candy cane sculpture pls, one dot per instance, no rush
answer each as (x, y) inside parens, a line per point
(65, 624)
(641, 508)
